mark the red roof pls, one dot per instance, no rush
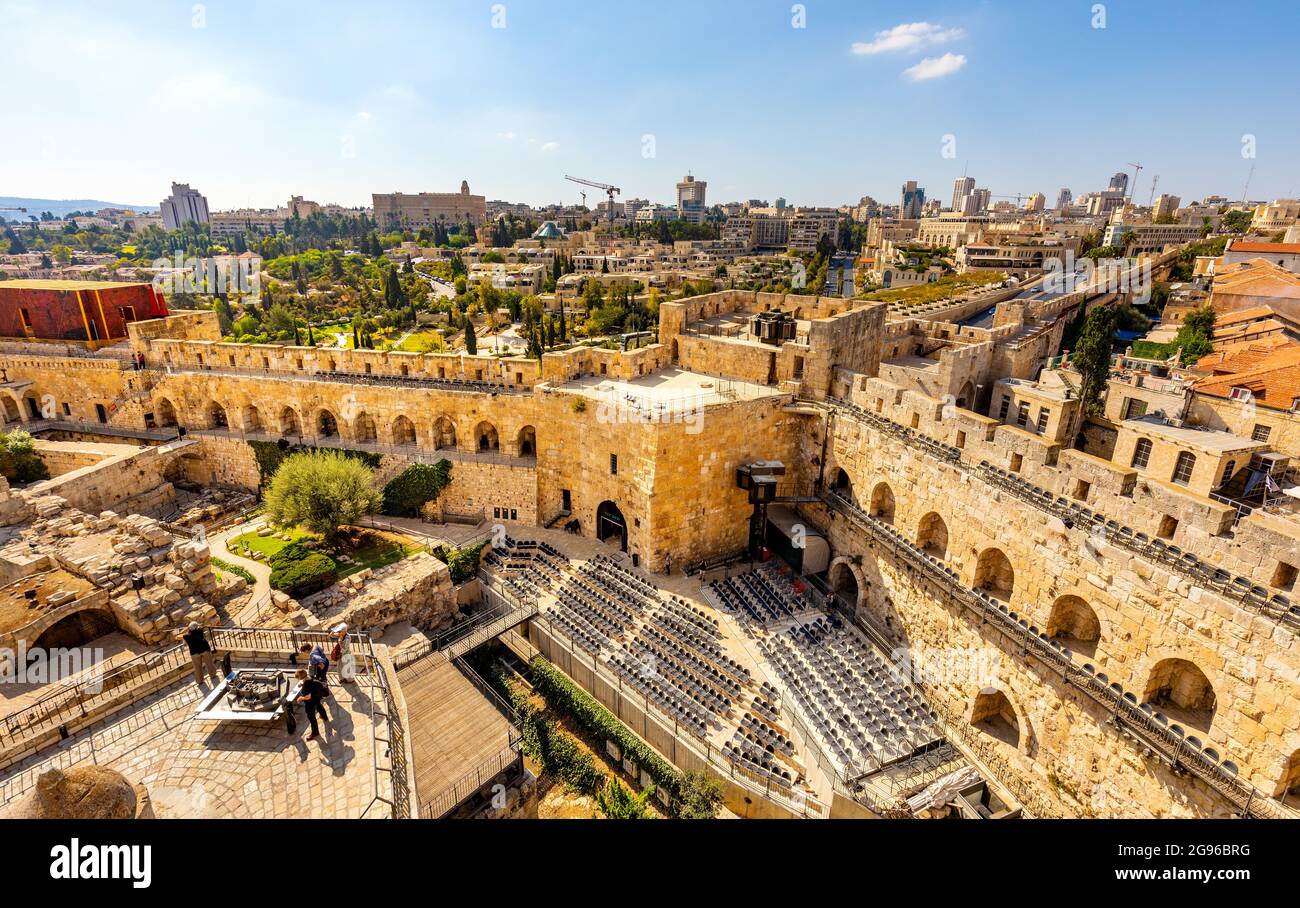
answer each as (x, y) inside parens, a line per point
(1291, 248)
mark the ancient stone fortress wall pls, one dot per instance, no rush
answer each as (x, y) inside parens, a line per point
(1227, 671)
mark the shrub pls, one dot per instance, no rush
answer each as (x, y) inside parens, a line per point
(409, 491)
(462, 563)
(321, 490)
(303, 576)
(617, 802)
(19, 461)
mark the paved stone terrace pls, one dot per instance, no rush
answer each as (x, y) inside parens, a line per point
(226, 770)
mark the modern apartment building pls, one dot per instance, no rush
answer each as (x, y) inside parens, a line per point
(911, 201)
(961, 188)
(1165, 206)
(183, 206)
(690, 199)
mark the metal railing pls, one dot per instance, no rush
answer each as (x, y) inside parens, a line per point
(464, 787)
(1231, 586)
(475, 386)
(703, 750)
(1145, 727)
(414, 451)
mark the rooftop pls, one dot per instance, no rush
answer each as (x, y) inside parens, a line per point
(1206, 440)
(56, 284)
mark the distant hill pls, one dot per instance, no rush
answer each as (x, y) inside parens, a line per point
(59, 207)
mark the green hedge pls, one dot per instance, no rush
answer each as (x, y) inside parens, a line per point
(565, 695)
(409, 491)
(304, 576)
(234, 569)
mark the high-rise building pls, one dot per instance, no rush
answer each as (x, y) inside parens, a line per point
(1064, 198)
(1165, 206)
(1119, 182)
(981, 199)
(690, 199)
(1036, 202)
(183, 206)
(912, 201)
(425, 209)
(961, 187)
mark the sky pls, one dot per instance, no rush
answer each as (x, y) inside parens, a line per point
(820, 103)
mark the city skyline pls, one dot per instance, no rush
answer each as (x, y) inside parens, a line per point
(217, 96)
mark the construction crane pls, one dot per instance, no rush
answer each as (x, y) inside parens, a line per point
(1136, 168)
(610, 191)
(1155, 181)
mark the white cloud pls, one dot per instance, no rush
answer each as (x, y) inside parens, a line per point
(935, 67)
(507, 136)
(363, 116)
(551, 146)
(910, 36)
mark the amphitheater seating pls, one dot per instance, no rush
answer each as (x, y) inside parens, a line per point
(862, 713)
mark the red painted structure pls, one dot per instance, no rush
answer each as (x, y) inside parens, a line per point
(90, 312)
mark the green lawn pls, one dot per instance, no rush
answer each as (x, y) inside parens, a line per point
(943, 288)
(375, 551)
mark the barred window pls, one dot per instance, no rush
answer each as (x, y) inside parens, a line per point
(1183, 468)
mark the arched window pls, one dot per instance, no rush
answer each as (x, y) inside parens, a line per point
(882, 502)
(326, 425)
(1141, 453)
(364, 428)
(994, 575)
(216, 416)
(1075, 624)
(486, 438)
(1183, 468)
(932, 535)
(1180, 687)
(994, 715)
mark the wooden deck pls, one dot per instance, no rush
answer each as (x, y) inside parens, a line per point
(453, 727)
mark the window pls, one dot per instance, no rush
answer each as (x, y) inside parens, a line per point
(496, 513)
(1285, 575)
(1044, 415)
(613, 465)
(1141, 453)
(1183, 468)
(1133, 408)
(27, 320)
(961, 439)
(1239, 393)
(916, 420)
(1003, 408)
(1229, 469)
(1017, 460)
(1168, 527)
(1261, 432)
(1022, 415)
(1081, 490)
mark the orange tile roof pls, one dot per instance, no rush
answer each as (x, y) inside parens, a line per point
(1242, 357)
(1289, 248)
(1274, 386)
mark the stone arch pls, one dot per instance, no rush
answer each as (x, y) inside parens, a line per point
(165, 412)
(214, 416)
(993, 714)
(610, 524)
(327, 424)
(994, 574)
(486, 437)
(966, 396)
(33, 401)
(363, 427)
(1075, 624)
(13, 413)
(932, 535)
(1179, 687)
(444, 433)
(843, 485)
(76, 629)
(882, 502)
(289, 422)
(403, 431)
(251, 418)
(526, 445)
(846, 582)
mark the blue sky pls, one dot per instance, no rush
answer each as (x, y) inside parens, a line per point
(252, 101)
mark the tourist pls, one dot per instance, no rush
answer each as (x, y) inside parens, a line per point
(312, 696)
(200, 653)
(339, 655)
(668, 564)
(318, 664)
